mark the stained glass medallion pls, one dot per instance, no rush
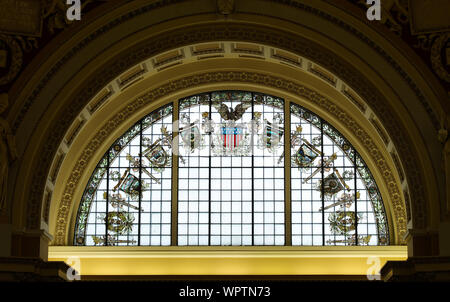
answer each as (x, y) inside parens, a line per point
(231, 179)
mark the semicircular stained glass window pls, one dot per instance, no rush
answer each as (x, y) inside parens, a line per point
(228, 150)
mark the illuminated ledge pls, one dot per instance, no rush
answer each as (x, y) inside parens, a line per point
(227, 252)
(352, 260)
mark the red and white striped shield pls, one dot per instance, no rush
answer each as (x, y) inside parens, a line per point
(232, 136)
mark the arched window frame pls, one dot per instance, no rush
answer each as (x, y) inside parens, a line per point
(288, 108)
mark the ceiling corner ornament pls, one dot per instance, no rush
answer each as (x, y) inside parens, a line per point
(73, 181)
(440, 56)
(55, 12)
(11, 58)
(394, 15)
(18, 37)
(21, 17)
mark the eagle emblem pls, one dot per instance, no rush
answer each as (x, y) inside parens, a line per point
(230, 114)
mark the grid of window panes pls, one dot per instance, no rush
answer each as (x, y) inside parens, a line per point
(231, 180)
(268, 181)
(330, 199)
(307, 220)
(155, 218)
(231, 188)
(246, 181)
(126, 202)
(193, 173)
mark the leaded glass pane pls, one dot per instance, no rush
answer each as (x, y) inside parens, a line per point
(335, 200)
(128, 198)
(231, 180)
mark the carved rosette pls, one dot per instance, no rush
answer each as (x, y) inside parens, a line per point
(440, 56)
(10, 59)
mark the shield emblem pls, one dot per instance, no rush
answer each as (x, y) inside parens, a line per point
(272, 135)
(191, 136)
(232, 136)
(130, 184)
(331, 185)
(157, 156)
(305, 156)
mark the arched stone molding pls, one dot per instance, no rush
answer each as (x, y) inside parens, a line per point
(103, 129)
(69, 78)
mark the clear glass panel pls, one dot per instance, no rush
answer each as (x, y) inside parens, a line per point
(194, 174)
(268, 180)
